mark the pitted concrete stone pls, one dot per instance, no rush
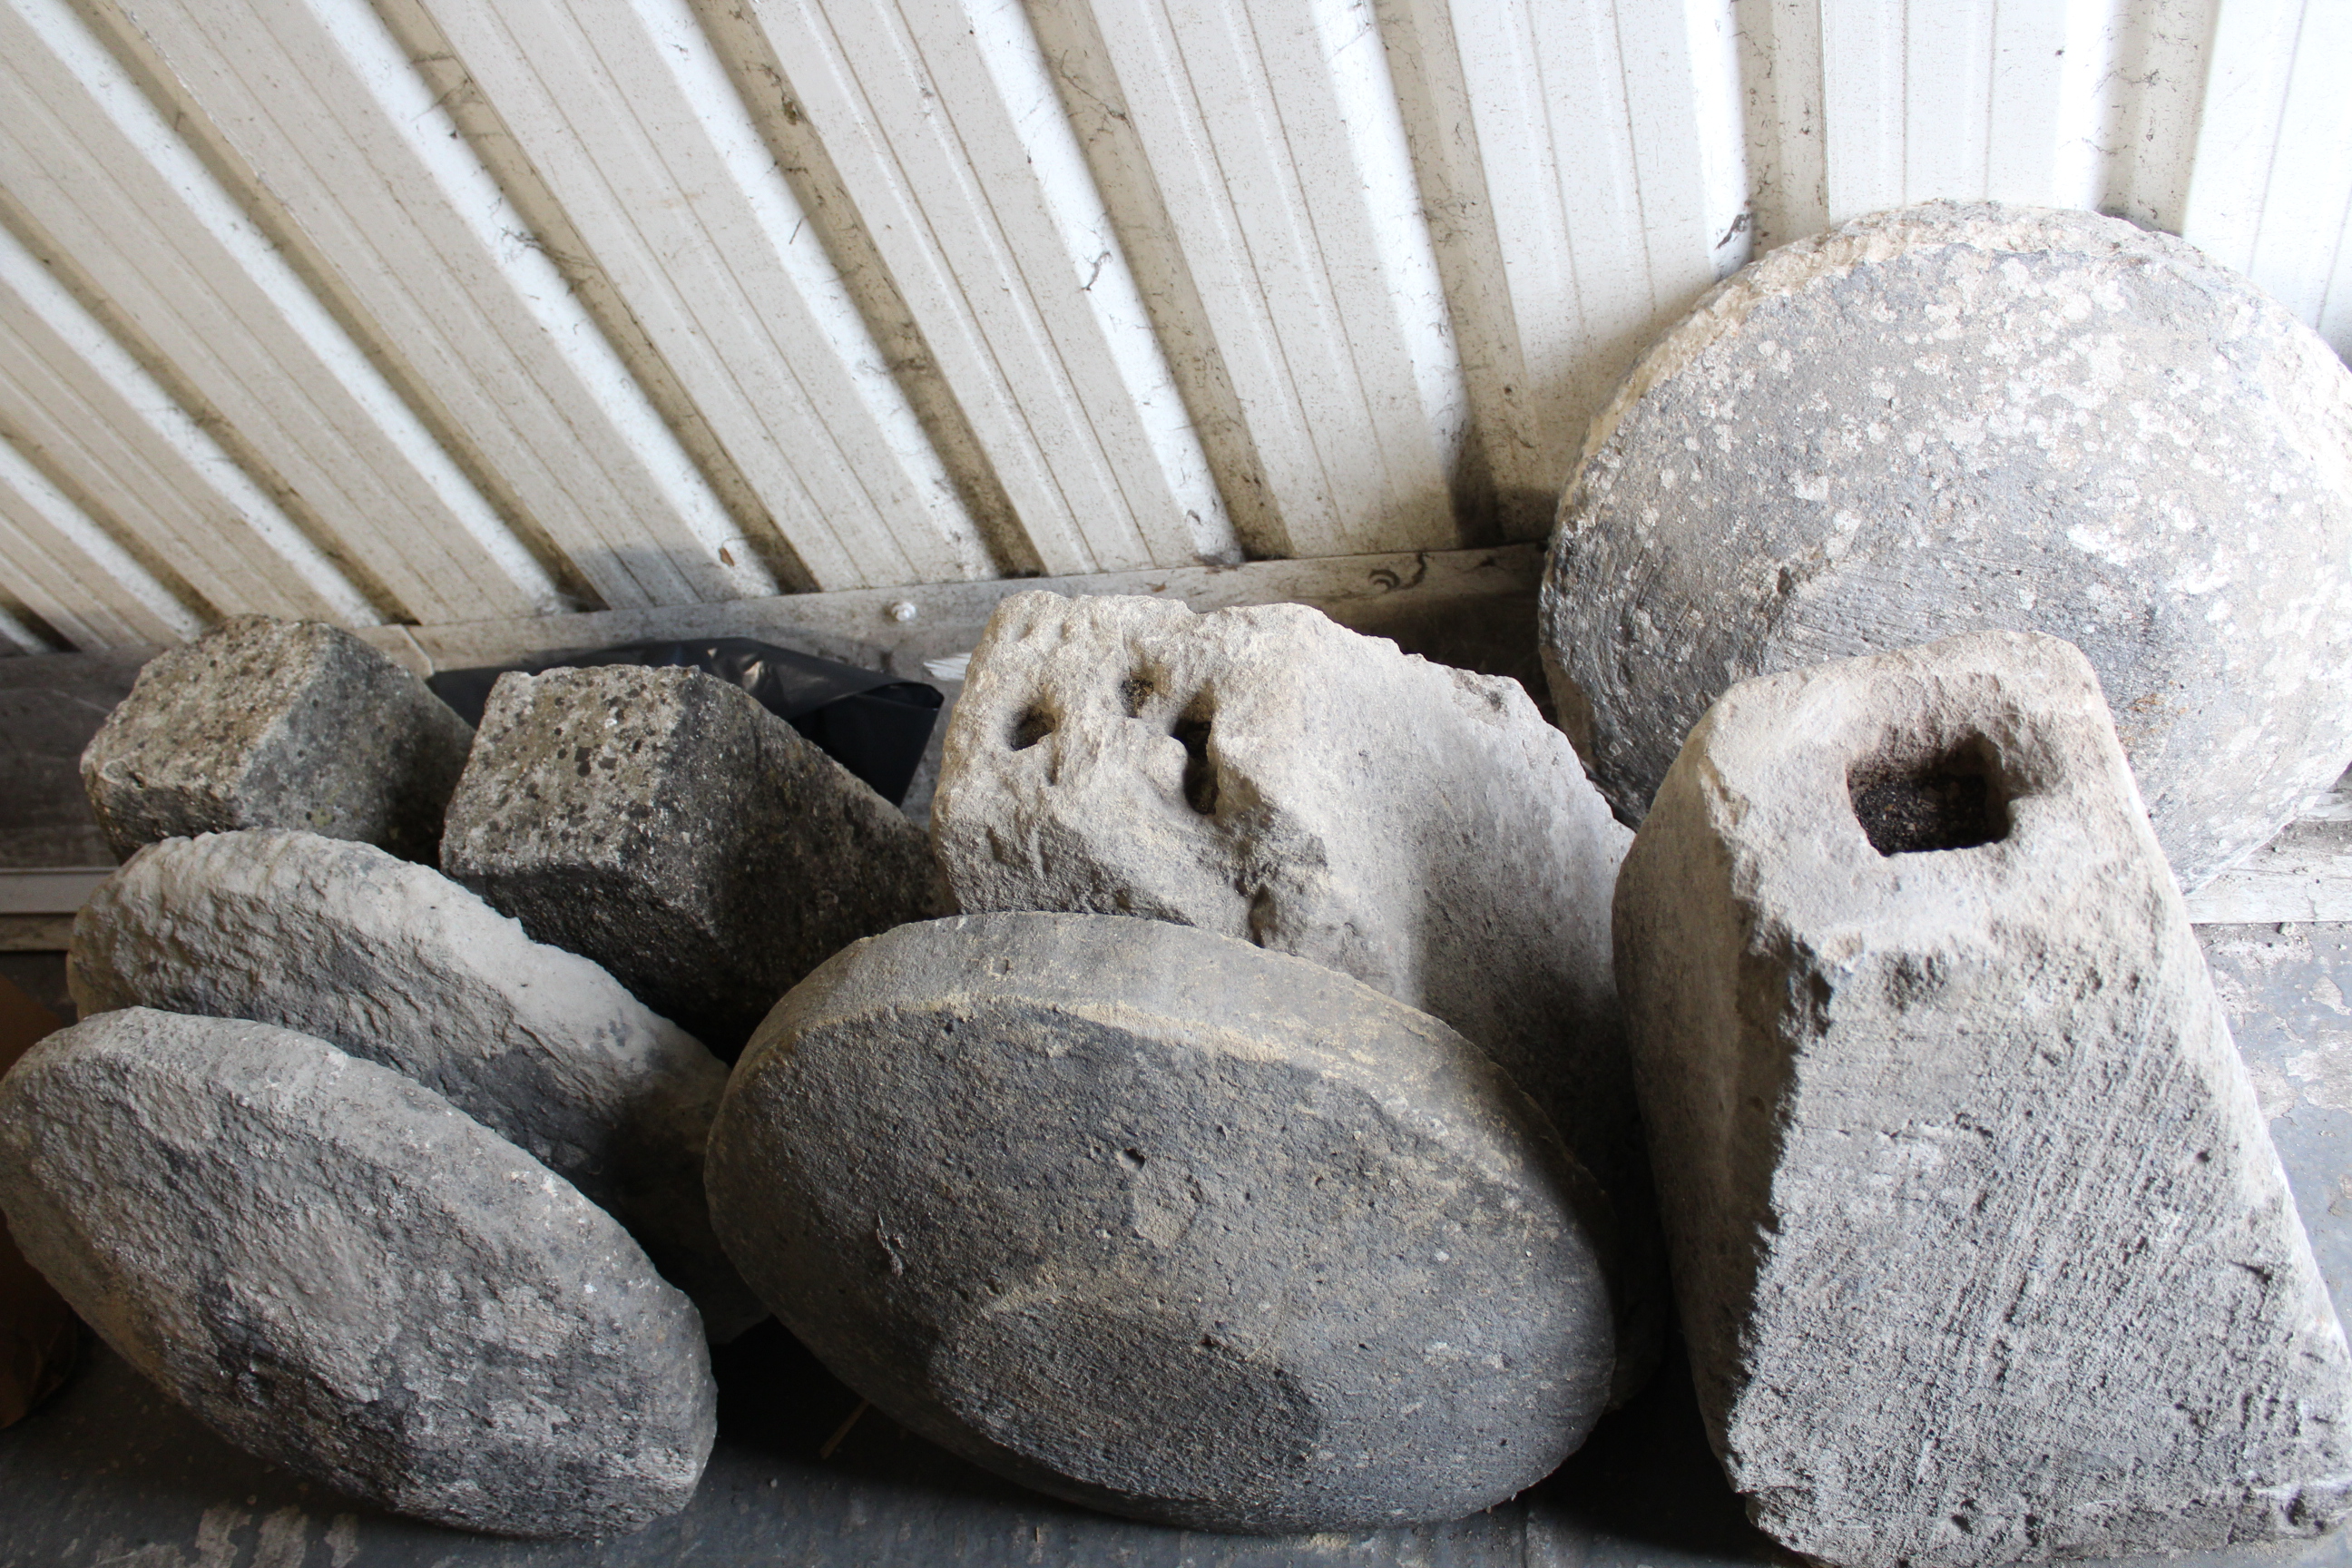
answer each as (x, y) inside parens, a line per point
(271, 723)
(667, 825)
(396, 964)
(1269, 776)
(1153, 1220)
(343, 1274)
(1982, 1250)
(1951, 418)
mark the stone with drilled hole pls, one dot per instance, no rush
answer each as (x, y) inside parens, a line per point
(397, 963)
(1949, 417)
(344, 1274)
(666, 825)
(1267, 774)
(271, 723)
(1982, 1250)
(1160, 1222)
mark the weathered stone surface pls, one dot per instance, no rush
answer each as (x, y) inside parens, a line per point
(271, 723)
(1266, 775)
(343, 1274)
(1162, 1224)
(668, 826)
(1951, 418)
(398, 964)
(1982, 1249)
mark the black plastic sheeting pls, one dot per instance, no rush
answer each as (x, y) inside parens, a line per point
(875, 725)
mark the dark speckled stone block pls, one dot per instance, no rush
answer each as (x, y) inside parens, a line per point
(271, 723)
(667, 825)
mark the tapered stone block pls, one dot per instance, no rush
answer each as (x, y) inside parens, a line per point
(1982, 1247)
(1160, 1222)
(1958, 416)
(344, 1275)
(271, 723)
(667, 825)
(1269, 776)
(398, 964)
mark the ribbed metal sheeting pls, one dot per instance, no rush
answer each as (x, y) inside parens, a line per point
(450, 310)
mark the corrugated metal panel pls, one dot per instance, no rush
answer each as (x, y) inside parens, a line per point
(444, 311)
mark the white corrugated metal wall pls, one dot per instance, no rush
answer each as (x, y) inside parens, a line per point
(447, 310)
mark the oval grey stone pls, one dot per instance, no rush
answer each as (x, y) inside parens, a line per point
(397, 963)
(1948, 418)
(1154, 1220)
(343, 1274)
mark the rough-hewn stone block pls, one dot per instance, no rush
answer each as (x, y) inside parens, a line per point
(668, 826)
(1951, 418)
(345, 1274)
(1269, 776)
(271, 724)
(1982, 1250)
(1159, 1222)
(396, 964)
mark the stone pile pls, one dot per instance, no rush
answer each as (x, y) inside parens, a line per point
(1264, 1147)
(396, 964)
(1982, 1250)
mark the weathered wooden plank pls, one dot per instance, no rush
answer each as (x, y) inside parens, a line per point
(1279, 180)
(76, 401)
(323, 103)
(897, 628)
(226, 322)
(626, 111)
(1582, 165)
(49, 890)
(967, 179)
(2304, 874)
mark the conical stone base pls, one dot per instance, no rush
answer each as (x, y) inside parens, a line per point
(1982, 1246)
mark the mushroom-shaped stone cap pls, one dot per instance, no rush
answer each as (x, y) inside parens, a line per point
(1950, 418)
(1162, 1222)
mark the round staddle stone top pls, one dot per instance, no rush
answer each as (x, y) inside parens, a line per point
(1949, 418)
(344, 1274)
(1168, 1225)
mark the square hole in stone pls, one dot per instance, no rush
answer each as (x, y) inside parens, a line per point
(1952, 800)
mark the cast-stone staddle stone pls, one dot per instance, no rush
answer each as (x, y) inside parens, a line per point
(1268, 775)
(1982, 1249)
(1166, 1224)
(1950, 418)
(666, 825)
(271, 723)
(345, 1274)
(395, 962)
